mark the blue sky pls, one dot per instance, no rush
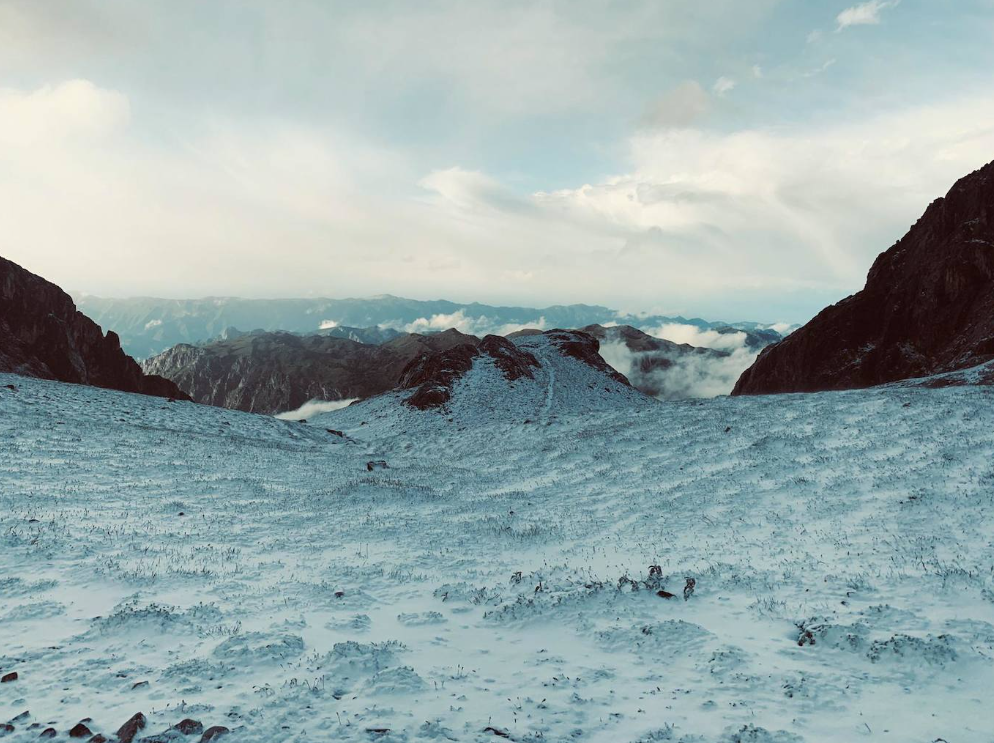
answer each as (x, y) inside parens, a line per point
(726, 159)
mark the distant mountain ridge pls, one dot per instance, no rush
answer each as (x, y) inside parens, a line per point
(927, 307)
(148, 325)
(43, 335)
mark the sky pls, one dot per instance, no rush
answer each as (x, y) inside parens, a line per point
(728, 159)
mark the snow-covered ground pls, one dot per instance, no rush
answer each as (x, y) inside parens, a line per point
(493, 581)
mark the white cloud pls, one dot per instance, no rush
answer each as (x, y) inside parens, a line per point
(694, 336)
(471, 325)
(270, 208)
(723, 85)
(314, 407)
(75, 108)
(864, 14)
(690, 376)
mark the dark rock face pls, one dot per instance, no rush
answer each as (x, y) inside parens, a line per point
(127, 732)
(213, 733)
(927, 307)
(271, 372)
(42, 334)
(434, 375)
(189, 727)
(584, 347)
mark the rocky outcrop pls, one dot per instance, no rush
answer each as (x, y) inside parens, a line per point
(42, 334)
(272, 372)
(432, 376)
(583, 347)
(927, 307)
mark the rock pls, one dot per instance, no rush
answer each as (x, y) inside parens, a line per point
(21, 717)
(189, 727)
(665, 594)
(139, 685)
(8, 677)
(42, 334)
(273, 372)
(127, 732)
(378, 464)
(584, 347)
(48, 733)
(6, 729)
(433, 375)
(79, 730)
(927, 307)
(213, 733)
(98, 738)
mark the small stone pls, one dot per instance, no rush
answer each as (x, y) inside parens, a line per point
(213, 733)
(140, 685)
(21, 717)
(6, 728)
(79, 730)
(127, 732)
(189, 727)
(8, 677)
(48, 733)
(98, 738)
(664, 594)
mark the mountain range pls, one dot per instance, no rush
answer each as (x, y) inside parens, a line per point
(148, 326)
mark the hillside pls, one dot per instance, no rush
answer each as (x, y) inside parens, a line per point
(42, 334)
(273, 372)
(493, 580)
(927, 307)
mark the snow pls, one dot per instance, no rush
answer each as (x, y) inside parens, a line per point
(841, 544)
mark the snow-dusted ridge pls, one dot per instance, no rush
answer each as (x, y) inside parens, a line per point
(483, 584)
(558, 386)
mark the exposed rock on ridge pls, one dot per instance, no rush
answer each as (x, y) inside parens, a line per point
(927, 307)
(42, 334)
(434, 375)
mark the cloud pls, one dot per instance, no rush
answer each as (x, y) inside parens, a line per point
(690, 376)
(53, 113)
(695, 336)
(314, 407)
(480, 325)
(864, 14)
(723, 85)
(684, 105)
(468, 189)
(756, 222)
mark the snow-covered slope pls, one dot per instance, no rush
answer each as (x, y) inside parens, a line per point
(560, 385)
(191, 562)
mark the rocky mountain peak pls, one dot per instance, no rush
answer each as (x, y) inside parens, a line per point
(42, 334)
(927, 307)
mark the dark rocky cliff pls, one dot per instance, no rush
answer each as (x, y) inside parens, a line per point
(927, 307)
(42, 334)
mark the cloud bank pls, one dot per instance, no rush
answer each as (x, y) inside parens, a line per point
(314, 407)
